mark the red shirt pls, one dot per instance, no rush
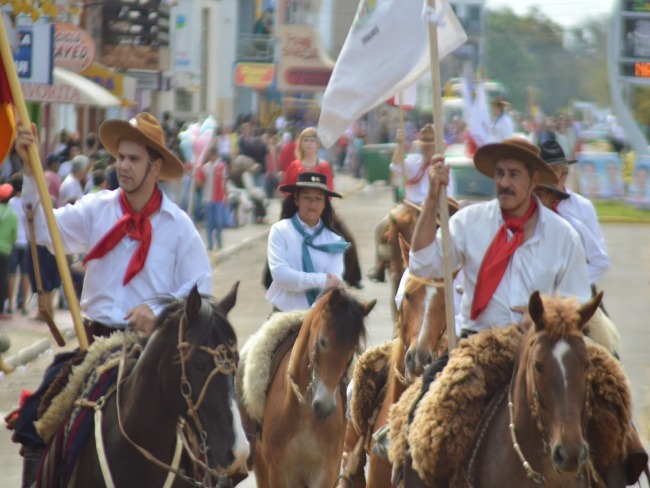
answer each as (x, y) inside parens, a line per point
(295, 168)
(287, 155)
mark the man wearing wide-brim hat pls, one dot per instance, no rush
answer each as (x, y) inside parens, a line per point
(508, 247)
(502, 127)
(579, 212)
(129, 235)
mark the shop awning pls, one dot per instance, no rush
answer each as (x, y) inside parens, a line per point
(70, 88)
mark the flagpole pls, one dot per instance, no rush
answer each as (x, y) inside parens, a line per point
(443, 207)
(41, 185)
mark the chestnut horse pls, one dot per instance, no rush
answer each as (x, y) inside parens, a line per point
(304, 417)
(421, 318)
(544, 416)
(186, 371)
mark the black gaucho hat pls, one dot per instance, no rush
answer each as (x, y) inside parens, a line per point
(552, 153)
(310, 180)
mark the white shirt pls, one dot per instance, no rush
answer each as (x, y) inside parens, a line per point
(290, 282)
(71, 190)
(16, 203)
(416, 192)
(502, 128)
(552, 261)
(176, 261)
(580, 213)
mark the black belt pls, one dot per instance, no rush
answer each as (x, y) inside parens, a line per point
(97, 329)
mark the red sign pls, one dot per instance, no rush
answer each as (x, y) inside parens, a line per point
(74, 49)
(254, 75)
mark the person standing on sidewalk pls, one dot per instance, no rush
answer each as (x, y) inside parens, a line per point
(19, 255)
(139, 246)
(305, 253)
(8, 236)
(212, 177)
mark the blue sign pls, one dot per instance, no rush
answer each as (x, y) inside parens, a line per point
(23, 57)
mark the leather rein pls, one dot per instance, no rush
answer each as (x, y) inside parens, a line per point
(224, 363)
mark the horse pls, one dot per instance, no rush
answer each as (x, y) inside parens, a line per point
(304, 416)
(420, 320)
(534, 430)
(185, 373)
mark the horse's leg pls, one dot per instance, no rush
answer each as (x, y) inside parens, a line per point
(350, 458)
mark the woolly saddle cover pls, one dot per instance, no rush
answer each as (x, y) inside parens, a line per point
(256, 357)
(370, 377)
(447, 417)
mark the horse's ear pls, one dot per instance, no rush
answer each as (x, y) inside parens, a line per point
(228, 302)
(536, 310)
(587, 310)
(367, 308)
(193, 303)
(334, 295)
(405, 247)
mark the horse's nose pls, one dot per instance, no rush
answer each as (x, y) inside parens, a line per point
(321, 409)
(416, 360)
(566, 461)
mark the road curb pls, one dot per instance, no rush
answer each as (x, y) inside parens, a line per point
(31, 352)
(624, 220)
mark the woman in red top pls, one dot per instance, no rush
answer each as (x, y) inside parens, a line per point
(307, 159)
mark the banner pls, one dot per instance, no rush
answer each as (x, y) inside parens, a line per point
(638, 193)
(34, 56)
(477, 112)
(600, 175)
(386, 51)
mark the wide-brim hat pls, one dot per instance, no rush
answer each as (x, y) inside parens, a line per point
(144, 129)
(559, 194)
(518, 148)
(427, 136)
(499, 102)
(309, 179)
(552, 153)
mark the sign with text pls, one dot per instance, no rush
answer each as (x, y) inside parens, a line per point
(254, 75)
(34, 57)
(303, 65)
(74, 49)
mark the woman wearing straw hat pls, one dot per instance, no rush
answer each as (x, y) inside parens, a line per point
(503, 127)
(305, 253)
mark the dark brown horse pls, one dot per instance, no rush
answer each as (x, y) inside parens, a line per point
(304, 417)
(185, 372)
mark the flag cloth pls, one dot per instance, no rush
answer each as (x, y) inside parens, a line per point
(477, 113)
(387, 50)
(7, 122)
(406, 98)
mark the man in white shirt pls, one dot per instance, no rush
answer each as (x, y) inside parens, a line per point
(503, 127)
(71, 188)
(579, 212)
(530, 248)
(139, 246)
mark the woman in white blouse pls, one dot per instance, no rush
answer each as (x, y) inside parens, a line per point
(305, 255)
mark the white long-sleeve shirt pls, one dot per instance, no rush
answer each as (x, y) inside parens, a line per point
(415, 192)
(580, 213)
(176, 261)
(551, 261)
(290, 282)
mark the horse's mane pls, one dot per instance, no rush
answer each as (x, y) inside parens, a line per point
(349, 326)
(561, 317)
(211, 318)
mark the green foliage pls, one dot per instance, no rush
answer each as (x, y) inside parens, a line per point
(534, 51)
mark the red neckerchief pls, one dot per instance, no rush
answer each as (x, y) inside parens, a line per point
(497, 257)
(134, 224)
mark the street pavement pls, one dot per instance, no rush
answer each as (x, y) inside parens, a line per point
(626, 287)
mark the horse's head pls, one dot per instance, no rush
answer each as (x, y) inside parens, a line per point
(200, 383)
(336, 332)
(421, 319)
(554, 364)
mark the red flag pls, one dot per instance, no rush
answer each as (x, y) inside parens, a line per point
(7, 123)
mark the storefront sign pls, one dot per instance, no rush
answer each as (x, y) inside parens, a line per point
(74, 49)
(34, 56)
(303, 66)
(37, 92)
(254, 75)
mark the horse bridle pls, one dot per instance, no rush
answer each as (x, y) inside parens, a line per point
(536, 412)
(224, 364)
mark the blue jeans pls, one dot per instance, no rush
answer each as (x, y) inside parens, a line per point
(216, 218)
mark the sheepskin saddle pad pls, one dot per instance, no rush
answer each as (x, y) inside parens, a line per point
(448, 416)
(370, 379)
(256, 360)
(65, 424)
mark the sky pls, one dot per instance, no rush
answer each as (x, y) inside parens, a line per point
(564, 12)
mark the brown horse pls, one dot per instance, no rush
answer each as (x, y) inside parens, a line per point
(304, 416)
(421, 315)
(185, 372)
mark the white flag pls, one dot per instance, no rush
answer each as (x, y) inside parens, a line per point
(479, 117)
(405, 98)
(387, 50)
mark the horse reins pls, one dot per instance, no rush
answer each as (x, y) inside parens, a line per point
(224, 364)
